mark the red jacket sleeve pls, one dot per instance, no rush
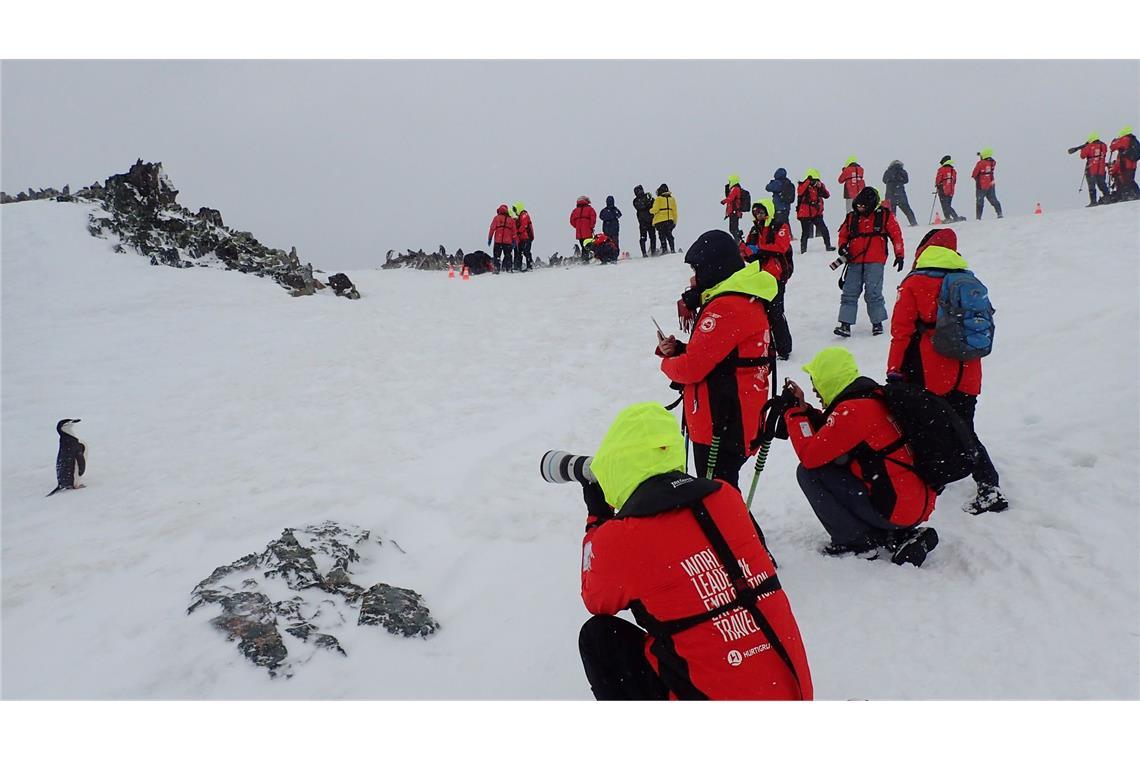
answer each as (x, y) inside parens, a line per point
(815, 448)
(603, 579)
(574, 218)
(843, 233)
(903, 321)
(895, 234)
(716, 334)
(977, 170)
(823, 191)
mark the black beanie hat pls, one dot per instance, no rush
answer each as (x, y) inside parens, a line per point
(714, 256)
(945, 159)
(867, 197)
(662, 188)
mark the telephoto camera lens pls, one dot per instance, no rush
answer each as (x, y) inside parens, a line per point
(564, 467)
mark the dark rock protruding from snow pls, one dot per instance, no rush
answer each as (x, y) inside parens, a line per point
(400, 610)
(343, 286)
(302, 585)
(142, 212)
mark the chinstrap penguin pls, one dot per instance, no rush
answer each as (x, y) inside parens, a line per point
(70, 462)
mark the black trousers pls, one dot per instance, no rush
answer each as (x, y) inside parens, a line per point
(505, 251)
(965, 404)
(817, 224)
(781, 334)
(734, 227)
(648, 231)
(948, 211)
(665, 233)
(987, 195)
(524, 251)
(613, 654)
(585, 256)
(899, 201)
(1096, 181)
(728, 463)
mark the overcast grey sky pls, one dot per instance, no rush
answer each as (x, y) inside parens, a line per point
(348, 159)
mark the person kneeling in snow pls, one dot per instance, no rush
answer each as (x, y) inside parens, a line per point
(603, 248)
(683, 554)
(860, 483)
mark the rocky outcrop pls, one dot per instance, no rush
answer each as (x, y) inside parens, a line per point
(285, 603)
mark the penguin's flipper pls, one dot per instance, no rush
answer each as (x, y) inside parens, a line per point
(80, 460)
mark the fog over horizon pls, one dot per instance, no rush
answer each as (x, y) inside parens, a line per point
(347, 159)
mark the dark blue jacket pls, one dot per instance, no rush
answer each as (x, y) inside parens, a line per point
(609, 216)
(783, 191)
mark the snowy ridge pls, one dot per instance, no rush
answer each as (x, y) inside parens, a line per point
(222, 413)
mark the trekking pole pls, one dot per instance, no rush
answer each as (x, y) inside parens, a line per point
(761, 460)
(1081, 186)
(930, 218)
(713, 450)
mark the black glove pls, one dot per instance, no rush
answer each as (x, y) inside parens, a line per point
(692, 298)
(898, 263)
(596, 501)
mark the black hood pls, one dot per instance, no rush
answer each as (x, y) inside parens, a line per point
(639, 190)
(714, 256)
(867, 197)
(662, 493)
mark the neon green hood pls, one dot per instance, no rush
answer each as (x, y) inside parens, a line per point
(812, 174)
(751, 280)
(1093, 137)
(850, 160)
(519, 208)
(987, 152)
(587, 242)
(948, 162)
(769, 206)
(644, 440)
(1126, 131)
(733, 179)
(832, 370)
(939, 257)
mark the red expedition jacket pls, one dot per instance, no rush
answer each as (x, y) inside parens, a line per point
(858, 427)
(912, 353)
(810, 200)
(774, 243)
(945, 180)
(582, 219)
(524, 227)
(725, 371)
(1120, 145)
(865, 244)
(732, 203)
(654, 559)
(852, 179)
(502, 228)
(983, 173)
(1094, 153)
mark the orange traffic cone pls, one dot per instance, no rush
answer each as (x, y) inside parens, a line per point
(450, 272)
(465, 274)
(937, 218)
(1038, 209)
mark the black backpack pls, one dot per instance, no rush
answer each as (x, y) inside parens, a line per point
(1132, 152)
(941, 442)
(788, 192)
(745, 200)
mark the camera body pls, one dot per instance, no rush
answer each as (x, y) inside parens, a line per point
(839, 261)
(564, 467)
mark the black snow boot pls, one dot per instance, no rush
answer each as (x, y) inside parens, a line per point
(989, 499)
(915, 546)
(867, 551)
(843, 330)
(877, 328)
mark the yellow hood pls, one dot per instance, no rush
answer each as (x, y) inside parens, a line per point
(644, 440)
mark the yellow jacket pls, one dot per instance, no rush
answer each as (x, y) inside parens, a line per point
(664, 209)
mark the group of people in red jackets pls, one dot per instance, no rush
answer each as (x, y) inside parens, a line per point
(512, 234)
(683, 552)
(1111, 169)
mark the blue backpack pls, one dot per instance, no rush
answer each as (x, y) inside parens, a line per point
(965, 324)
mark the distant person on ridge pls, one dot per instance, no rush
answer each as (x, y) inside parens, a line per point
(783, 192)
(610, 216)
(503, 235)
(643, 204)
(1127, 149)
(526, 237)
(985, 188)
(733, 209)
(1095, 153)
(895, 178)
(851, 177)
(583, 219)
(809, 210)
(665, 218)
(914, 359)
(863, 237)
(944, 182)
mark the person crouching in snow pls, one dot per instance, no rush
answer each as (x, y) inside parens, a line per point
(602, 248)
(863, 490)
(913, 358)
(726, 364)
(683, 555)
(863, 237)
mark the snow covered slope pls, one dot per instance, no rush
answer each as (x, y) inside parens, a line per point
(219, 411)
